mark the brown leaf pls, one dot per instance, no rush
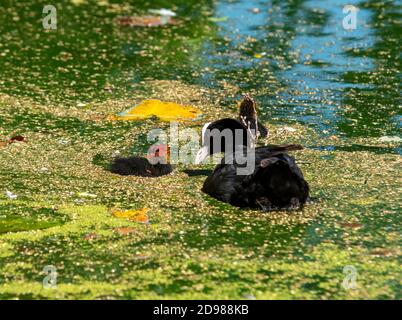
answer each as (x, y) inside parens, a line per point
(17, 139)
(4, 144)
(125, 230)
(141, 256)
(383, 252)
(145, 21)
(97, 117)
(352, 225)
(91, 236)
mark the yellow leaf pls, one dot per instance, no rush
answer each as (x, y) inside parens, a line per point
(132, 215)
(112, 117)
(165, 111)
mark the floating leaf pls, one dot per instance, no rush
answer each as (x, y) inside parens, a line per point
(255, 10)
(260, 55)
(390, 139)
(125, 230)
(11, 195)
(249, 296)
(91, 236)
(142, 256)
(145, 21)
(165, 111)
(163, 12)
(352, 225)
(3, 144)
(383, 252)
(86, 195)
(287, 129)
(218, 19)
(17, 139)
(132, 215)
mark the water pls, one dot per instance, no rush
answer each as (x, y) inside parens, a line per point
(293, 56)
(299, 63)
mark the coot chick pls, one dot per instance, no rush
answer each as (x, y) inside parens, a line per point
(226, 135)
(155, 165)
(275, 183)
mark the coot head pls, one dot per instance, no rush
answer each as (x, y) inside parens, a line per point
(227, 135)
(223, 135)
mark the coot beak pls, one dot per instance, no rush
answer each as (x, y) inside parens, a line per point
(202, 154)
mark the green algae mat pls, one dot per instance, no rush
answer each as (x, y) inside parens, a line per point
(70, 229)
(190, 245)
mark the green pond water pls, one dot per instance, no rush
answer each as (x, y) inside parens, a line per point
(294, 56)
(338, 89)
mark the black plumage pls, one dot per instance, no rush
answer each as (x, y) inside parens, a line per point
(276, 182)
(224, 135)
(266, 177)
(139, 166)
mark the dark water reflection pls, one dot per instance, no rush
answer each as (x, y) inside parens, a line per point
(294, 56)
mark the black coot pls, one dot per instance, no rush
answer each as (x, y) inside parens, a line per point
(274, 182)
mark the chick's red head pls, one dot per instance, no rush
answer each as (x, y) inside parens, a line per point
(159, 153)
